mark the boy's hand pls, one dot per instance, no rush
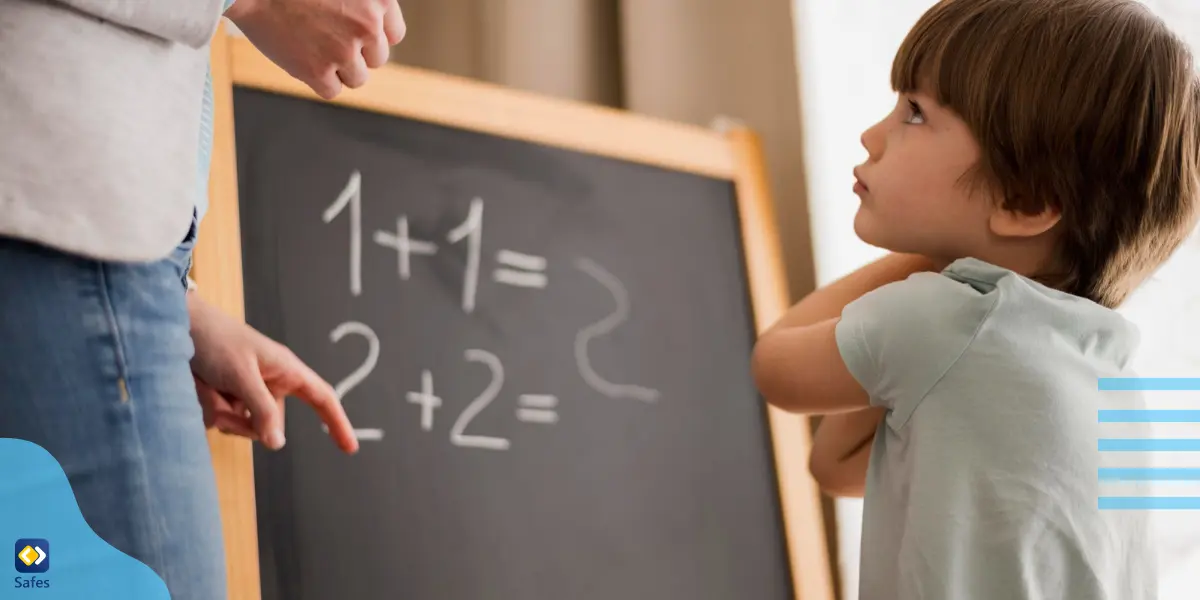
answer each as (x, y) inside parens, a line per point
(323, 43)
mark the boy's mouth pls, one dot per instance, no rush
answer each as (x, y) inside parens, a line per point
(859, 186)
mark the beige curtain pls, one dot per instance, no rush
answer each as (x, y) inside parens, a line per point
(684, 60)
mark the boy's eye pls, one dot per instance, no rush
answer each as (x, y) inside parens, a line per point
(915, 114)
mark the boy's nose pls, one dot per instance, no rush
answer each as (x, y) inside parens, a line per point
(872, 140)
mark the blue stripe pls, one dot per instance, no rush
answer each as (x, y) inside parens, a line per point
(1149, 503)
(1155, 384)
(1149, 445)
(1150, 474)
(1149, 416)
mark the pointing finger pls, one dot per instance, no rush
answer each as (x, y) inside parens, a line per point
(321, 397)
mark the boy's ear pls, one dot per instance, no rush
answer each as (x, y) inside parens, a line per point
(1012, 223)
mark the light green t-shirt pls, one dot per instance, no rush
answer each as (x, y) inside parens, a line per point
(983, 479)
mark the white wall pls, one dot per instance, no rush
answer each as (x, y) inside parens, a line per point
(845, 52)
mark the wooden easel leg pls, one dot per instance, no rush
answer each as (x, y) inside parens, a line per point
(790, 434)
(218, 273)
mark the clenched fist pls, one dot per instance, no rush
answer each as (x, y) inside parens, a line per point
(324, 43)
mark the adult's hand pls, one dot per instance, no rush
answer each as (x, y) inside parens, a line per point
(242, 378)
(323, 43)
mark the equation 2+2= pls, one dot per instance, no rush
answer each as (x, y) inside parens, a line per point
(517, 269)
(531, 408)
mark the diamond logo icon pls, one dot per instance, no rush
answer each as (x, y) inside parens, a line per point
(32, 555)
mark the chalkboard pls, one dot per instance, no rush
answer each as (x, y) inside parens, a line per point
(545, 353)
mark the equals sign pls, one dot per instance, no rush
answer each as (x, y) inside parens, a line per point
(537, 408)
(526, 270)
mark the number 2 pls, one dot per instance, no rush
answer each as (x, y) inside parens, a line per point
(356, 377)
(457, 437)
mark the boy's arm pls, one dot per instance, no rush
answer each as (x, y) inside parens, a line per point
(842, 449)
(796, 363)
(800, 369)
(842, 445)
(828, 301)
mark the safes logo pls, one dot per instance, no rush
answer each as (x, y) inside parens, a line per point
(33, 555)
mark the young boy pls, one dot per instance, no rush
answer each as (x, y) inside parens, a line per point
(1041, 162)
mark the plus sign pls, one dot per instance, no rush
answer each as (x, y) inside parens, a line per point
(404, 245)
(426, 399)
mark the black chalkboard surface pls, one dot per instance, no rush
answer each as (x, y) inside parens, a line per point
(545, 352)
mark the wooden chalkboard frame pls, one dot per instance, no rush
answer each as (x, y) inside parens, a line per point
(733, 154)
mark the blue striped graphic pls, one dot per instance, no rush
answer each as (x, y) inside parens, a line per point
(1149, 445)
(1155, 384)
(1150, 474)
(1149, 503)
(1149, 416)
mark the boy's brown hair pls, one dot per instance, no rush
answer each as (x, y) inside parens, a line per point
(1089, 106)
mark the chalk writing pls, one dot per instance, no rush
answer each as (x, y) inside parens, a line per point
(604, 327)
(514, 269)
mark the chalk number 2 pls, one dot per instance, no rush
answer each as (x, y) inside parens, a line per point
(457, 437)
(357, 376)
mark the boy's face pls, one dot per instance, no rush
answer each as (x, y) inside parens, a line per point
(913, 190)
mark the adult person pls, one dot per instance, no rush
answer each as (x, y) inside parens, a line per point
(105, 360)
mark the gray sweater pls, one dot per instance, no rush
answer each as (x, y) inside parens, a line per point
(100, 105)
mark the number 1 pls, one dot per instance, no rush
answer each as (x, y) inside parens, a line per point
(472, 227)
(352, 195)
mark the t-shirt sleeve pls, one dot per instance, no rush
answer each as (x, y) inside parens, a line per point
(900, 339)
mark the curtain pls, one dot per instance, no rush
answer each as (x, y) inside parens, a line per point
(683, 60)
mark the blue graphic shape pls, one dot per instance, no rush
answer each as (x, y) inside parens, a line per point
(31, 555)
(1149, 384)
(1149, 416)
(1148, 445)
(1165, 475)
(36, 502)
(1149, 503)
(1150, 474)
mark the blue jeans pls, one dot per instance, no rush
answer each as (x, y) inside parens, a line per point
(94, 368)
